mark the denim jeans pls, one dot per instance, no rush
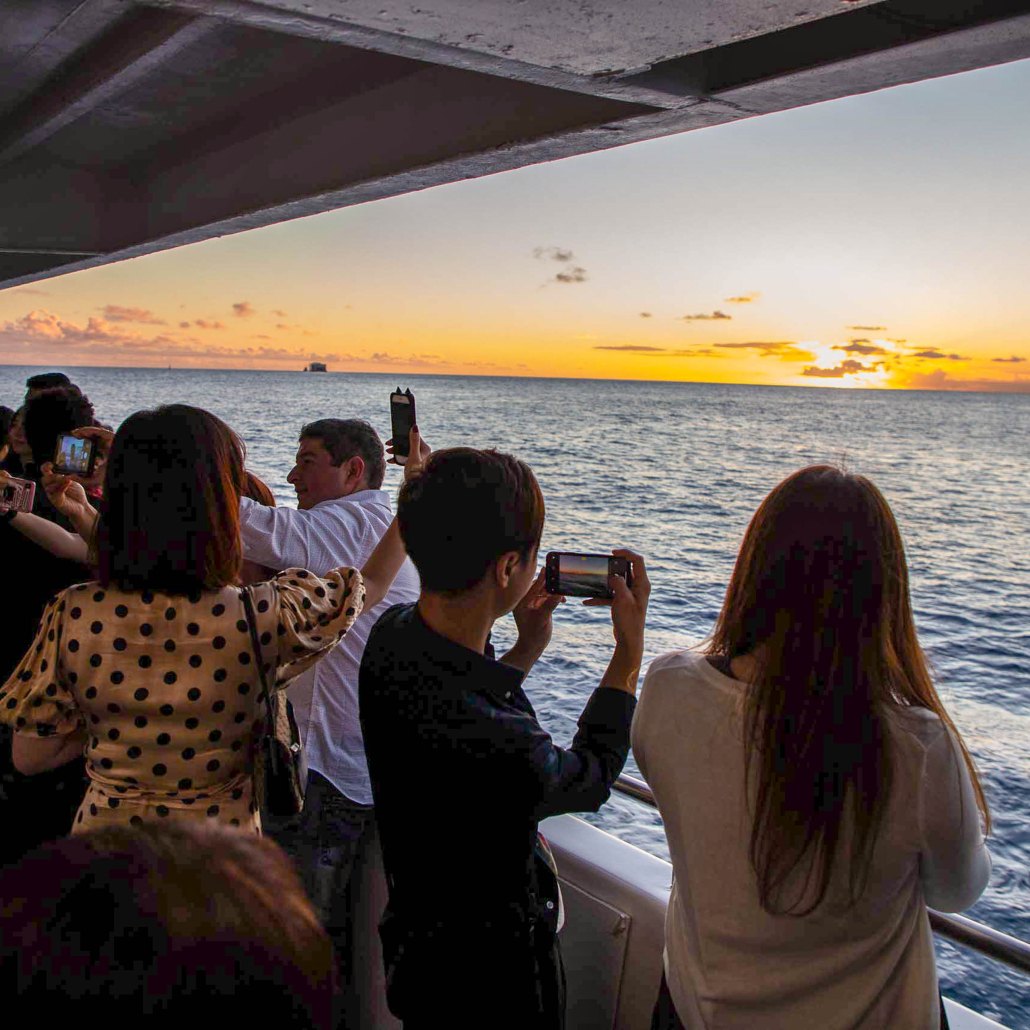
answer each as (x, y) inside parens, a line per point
(324, 841)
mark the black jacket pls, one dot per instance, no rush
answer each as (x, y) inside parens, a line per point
(461, 774)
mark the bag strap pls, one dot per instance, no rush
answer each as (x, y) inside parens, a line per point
(248, 608)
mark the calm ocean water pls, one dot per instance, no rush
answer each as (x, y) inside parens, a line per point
(675, 470)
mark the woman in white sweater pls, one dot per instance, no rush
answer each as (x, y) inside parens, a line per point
(815, 793)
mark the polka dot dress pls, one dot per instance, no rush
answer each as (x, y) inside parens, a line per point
(167, 690)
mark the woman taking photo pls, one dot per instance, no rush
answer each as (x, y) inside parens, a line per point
(150, 667)
(816, 795)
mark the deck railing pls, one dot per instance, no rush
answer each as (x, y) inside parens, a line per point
(958, 929)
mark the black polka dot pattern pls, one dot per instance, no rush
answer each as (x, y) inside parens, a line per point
(169, 689)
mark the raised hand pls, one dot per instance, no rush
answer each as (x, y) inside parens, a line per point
(66, 494)
(418, 454)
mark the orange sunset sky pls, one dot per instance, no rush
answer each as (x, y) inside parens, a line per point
(877, 241)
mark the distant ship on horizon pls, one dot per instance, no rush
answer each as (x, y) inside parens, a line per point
(315, 366)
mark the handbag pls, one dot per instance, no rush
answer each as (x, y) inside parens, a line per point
(281, 769)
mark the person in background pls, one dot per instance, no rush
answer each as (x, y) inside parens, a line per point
(166, 926)
(6, 416)
(19, 454)
(45, 381)
(815, 793)
(462, 771)
(38, 807)
(48, 414)
(150, 667)
(342, 513)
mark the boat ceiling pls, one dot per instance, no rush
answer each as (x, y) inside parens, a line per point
(130, 127)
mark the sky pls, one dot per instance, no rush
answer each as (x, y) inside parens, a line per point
(875, 241)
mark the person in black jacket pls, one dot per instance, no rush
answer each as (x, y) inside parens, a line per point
(461, 770)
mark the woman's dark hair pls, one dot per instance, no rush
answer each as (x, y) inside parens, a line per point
(177, 925)
(819, 598)
(51, 412)
(169, 520)
(345, 438)
(466, 509)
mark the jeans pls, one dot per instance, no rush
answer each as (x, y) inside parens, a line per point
(325, 841)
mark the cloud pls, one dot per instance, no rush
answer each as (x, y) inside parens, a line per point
(575, 274)
(744, 298)
(940, 380)
(788, 350)
(936, 355)
(31, 291)
(1014, 358)
(203, 323)
(552, 254)
(117, 313)
(184, 325)
(243, 309)
(861, 347)
(571, 274)
(635, 347)
(845, 368)
(279, 313)
(645, 314)
(44, 334)
(868, 328)
(894, 339)
(715, 316)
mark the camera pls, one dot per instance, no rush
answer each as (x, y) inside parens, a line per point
(583, 575)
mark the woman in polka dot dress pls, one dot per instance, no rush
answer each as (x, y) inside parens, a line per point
(151, 668)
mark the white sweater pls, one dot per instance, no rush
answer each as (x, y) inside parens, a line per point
(729, 963)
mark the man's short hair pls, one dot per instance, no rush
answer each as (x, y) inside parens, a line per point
(50, 413)
(466, 509)
(346, 438)
(47, 380)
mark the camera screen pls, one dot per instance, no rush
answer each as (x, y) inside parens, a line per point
(73, 454)
(583, 575)
(9, 494)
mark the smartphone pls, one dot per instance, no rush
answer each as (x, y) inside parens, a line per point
(402, 418)
(583, 575)
(17, 495)
(74, 456)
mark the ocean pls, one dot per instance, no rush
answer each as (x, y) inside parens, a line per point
(674, 471)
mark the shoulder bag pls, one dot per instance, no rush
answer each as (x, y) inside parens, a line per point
(282, 773)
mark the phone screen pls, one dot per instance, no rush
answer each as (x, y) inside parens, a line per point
(73, 455)
(402, 418)
(583, 575)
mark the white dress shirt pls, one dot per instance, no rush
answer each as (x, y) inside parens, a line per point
(343, 531)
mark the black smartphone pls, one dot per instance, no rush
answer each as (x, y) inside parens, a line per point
(402, 418)
(75, 456)
(583, 575)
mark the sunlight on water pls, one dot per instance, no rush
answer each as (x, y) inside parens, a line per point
(675, 471)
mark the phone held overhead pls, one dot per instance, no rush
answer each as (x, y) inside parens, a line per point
(402, 418)
(584, 575)
(74, 456)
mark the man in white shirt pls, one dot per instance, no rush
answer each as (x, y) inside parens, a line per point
(341, 514)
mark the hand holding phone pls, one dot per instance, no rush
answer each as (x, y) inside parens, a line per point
(16, 494)
(584, 575)
(402, 418)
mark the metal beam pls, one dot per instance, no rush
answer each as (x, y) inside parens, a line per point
(132, 47)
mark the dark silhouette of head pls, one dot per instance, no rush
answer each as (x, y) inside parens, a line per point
(53, 411)
(175, 925)
(465, 510)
